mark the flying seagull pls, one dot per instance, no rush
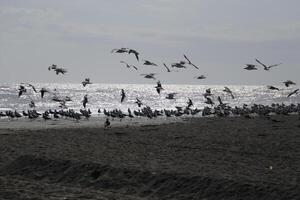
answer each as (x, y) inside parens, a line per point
(171, 95)
(227, 90)
(138, 102)
(122, 95)
(60, 70)
(135, 53)
(179, 65)
(250, 67)
(200, 77)
(128, 66)
(168, 70)
(121, 50)
(30, 85)
(294, 92)
(272, 87)
(158, 87)
(149, 76)
(267, 68)
(147, 62)
(189, 62)
(86, 82)
(22, 90)
(53, 66)
(288, 83)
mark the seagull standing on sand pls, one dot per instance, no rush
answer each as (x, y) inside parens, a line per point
(227, 90)
(189, 62)
(294, 92)
(267, 68)
(122, 95)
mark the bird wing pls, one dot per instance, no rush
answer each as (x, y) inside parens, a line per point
(167, 67)
(187, 59)
(261, 63)
(275, 65)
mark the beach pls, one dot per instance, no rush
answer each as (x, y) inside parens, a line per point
(186, 158)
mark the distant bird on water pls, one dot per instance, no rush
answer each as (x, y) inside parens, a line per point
(189, 62)
(60, 70)
(294, 92)
(129, 66)
(250, 67)
(288, 83)
(267, 68)
(53, 66)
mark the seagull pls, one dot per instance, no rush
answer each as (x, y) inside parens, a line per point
(288, 83)
(227, 90)
(60, 70)
(30, 85)
(200, 77)
(168, 70)
(207, 93)
(128, 66)
(138, 102)
(22, 90)
(147, 62)
(190, 103)
(86, 82)
(209, 101)
(158, 87)
(85, 100)
(122, 95)
(149, 76)
(42, 91)
(53, 66)
(171, 95)
(106, 123)
(267, 68)
(121, 50)
(294, 92)
(189, 62)
(179, 65)
(250, 67)
(135, 53)
(272, 87)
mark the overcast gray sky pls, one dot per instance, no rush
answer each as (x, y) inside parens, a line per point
(218, 36)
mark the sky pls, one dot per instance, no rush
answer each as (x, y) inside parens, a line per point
(218, 36)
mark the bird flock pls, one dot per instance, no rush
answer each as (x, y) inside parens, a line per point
(213, 108)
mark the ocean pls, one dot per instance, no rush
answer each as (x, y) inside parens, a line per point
(108, 96)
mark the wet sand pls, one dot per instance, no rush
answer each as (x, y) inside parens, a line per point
(191, 158)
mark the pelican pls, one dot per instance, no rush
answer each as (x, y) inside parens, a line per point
(294, 92)
(85, 100)
(122, 95)
(200, 77)
(250, 67)
(288, 83)
(168, 70)
(121, 50)
(267, 68)
(227, 90)
(171, 95)
(86, 82)
(158, 87)
(189, 62)
(272, 87)
(149, 76)
(128, 66)
(135, 53)
(60, 70)
(147, 62)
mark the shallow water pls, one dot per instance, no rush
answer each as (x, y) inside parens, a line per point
(108, 96)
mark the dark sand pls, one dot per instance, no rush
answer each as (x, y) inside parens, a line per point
(198, 158)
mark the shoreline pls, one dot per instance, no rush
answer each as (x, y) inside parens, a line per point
(221, 158)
